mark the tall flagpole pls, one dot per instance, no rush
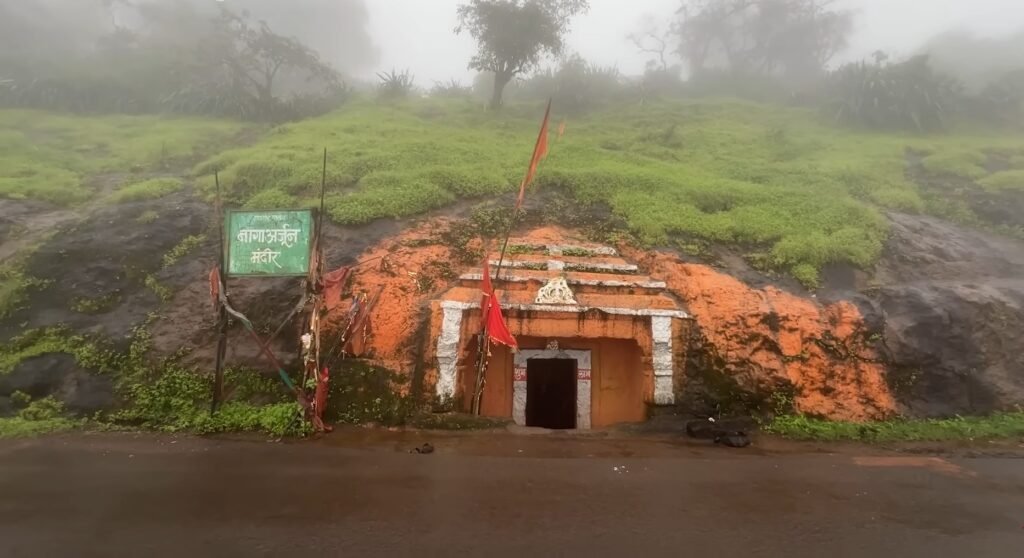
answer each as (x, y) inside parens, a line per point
(483, 345)
(522, 188)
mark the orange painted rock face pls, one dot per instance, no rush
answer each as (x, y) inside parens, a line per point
(765, 339)
(401, 272)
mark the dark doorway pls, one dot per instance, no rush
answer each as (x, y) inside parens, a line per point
(551, 393)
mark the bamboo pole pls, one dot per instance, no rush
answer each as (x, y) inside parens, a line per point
(222, 313)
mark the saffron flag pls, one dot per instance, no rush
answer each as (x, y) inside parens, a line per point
(540, 151)
(493, 321)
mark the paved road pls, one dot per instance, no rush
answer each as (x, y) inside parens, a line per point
(132, 495)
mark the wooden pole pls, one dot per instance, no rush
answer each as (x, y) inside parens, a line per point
(222, 313)
(319, 272)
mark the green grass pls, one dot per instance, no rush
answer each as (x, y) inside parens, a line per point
(183, 248)
(43, 416)
(13, 287)
(961, 163)
(29, 345)
(147, 190)
(147, 217)
(50, 157)
(804, 193)
(777, 181)
(1002, 425)
(1005, 181)
(17, 427)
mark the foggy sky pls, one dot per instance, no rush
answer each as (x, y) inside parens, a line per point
(418, 34)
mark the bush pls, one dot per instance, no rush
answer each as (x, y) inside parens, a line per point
(451, 89)
(147, 190)
(575, 86)
(270, 199)
(908, 95)
(961, 163)
(183, 248)
(1005, 181)
(395, 85)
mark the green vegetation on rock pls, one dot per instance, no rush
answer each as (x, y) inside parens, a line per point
(183, 248)
(53, 157)
(159, 394)
(148, 190)
(14, 285)
(1004, 181)
(805, 192)
(43, 416)
(1001, 425)
(965, 164)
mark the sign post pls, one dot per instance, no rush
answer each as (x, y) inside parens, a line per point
(269, 243)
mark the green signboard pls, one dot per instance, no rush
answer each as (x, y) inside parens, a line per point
(269, 243)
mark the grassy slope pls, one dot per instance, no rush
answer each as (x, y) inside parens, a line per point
(796, 193)
(802, 193)
(48, 156)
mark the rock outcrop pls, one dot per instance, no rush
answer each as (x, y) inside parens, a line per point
(776, 349)
(952, 304)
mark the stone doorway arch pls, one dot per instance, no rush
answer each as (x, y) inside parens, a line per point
(583, 375)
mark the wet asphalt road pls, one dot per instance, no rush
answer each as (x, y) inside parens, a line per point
(132, 495)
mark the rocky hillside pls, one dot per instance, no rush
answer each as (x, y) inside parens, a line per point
(846, 275)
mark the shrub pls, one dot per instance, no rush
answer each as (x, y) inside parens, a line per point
(183, 248)
(147, 190)
(961, 163)
(1005, 181)
(908, 95)
(395, 85)
(452, 89)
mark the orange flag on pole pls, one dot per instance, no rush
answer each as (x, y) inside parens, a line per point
(540, 150)
(494, 322)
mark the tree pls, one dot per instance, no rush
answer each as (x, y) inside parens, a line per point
(651, 39)
(336, 29)
(791, 39)
(255, 57)
(514, 35)
(176, 56)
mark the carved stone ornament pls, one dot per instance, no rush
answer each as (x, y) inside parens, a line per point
(553, 345)
(556, 291)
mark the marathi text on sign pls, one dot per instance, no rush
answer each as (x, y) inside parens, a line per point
(269, 243)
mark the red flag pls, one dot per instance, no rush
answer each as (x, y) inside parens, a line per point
(215, 286)
(540, 150)
(493, 321)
